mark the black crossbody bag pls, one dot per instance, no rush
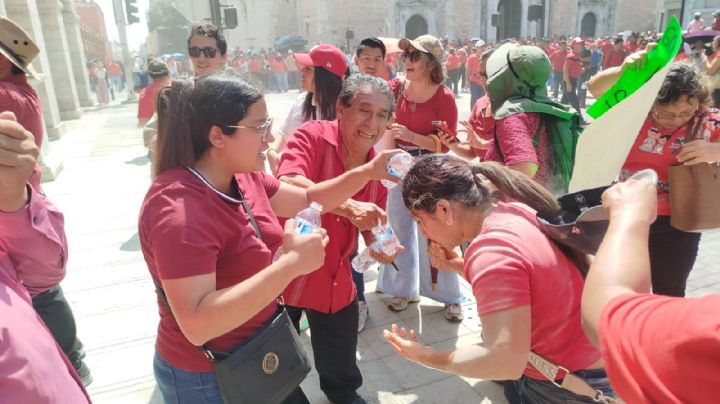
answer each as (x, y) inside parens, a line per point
(264, 368)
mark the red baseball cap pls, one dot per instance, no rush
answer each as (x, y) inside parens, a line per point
(326, 56)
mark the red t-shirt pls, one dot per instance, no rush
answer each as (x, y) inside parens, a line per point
(614, 58)
(188, 228)
(516, 135)
(656, 148)
(511, 263)
(631, 47)
(254, 66)
(146, 99)
(472, 67)
(452, 62)
(17, 96)
(574, 65)
(660, 349)
(463, 58)
(114, 69)
(483, 125)
(315, 152)
(418, 117)
(278, 66)
(558, 60)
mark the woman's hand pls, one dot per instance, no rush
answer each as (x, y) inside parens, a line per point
(308, 250)
(699, 151)
(401, 132)
(633, 199)
(383, 258)
(447, 139)
(443, 259)
(377, 168)
(637, 60)
(476, 142)
(405, 346)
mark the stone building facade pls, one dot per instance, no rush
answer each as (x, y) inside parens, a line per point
(65, 88)
(93, 31)
(262, 21)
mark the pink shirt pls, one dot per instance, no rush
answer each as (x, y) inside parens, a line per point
(17, 96)
(189, 228)
(660, 349)
(516, 135)
(40, 264)
(33, 368)
(511, 263)
(315, 152)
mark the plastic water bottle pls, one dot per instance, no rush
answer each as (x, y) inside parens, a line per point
(308, 221)
(385, 237)
(385, 242)
(398, 166)
(363, 261)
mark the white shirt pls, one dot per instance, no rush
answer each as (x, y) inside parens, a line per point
(295, 117)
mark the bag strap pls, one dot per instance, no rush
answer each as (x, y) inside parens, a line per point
(569, 382)
(692, 134)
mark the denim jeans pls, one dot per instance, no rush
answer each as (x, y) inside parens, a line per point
(183, 387)
(528, 390)
(413, 274)
(557, 83)
(476, 92)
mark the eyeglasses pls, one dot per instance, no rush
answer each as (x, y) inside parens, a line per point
(209, 52)
(262, 130)
(666, 116)
(414, 56)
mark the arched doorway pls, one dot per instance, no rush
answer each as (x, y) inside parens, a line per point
(509, 24)
(416, 26)
(587, 25)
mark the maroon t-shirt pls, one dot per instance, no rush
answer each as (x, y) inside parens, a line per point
(188, 228)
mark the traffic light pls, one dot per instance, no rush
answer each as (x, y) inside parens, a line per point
(230, 17)
(131, 11)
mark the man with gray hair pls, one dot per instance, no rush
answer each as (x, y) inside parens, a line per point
(317, 151)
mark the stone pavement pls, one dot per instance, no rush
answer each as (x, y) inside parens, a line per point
(100, 191)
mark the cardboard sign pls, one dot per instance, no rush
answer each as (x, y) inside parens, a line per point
(631, 80)
(606, 143)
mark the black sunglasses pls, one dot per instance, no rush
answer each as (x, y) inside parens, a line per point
(414, 56)
(209, 52)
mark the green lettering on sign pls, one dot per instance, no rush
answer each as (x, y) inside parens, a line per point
(631, 79)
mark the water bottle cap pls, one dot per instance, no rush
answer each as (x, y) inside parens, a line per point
(316, 206)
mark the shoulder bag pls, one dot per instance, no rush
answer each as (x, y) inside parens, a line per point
(694, 192)
(264, 368)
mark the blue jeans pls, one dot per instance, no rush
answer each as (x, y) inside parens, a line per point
(476, 92)
(183, 387)
(529, 390)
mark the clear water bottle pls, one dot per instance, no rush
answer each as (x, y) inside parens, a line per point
(387, 242)
(363, 261)
(398, 166)
(308, 221)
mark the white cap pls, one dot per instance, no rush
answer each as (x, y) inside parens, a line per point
(479, 43)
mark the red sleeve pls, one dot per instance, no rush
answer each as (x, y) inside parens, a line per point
(270, 183)
(183, 244)
(145, 108)
(302, 151)
(515, 139)
(447, 109)
(395, 85)
(498, 272)
(661, 349)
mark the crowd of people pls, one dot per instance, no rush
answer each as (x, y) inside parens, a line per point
(218, 227)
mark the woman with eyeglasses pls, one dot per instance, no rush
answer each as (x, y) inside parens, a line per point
(209, 228)
(321, 77)
(683, 99)
(527, 287)
(425, 108)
